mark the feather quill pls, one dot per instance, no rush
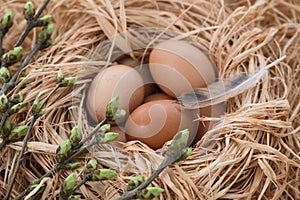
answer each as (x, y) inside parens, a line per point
(222, 90)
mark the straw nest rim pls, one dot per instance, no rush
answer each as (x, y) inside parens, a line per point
(252, 153)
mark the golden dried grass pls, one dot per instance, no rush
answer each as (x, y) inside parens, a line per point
(253, 152)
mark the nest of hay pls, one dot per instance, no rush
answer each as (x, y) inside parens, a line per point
(254, 150)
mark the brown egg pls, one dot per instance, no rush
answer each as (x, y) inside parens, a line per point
(177, 67)
(117, 80)
(156, 122)
(158, 96)
(143, 69)
(117, 129)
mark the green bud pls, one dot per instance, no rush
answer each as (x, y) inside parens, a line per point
(36, 106)
(91, 166)
(150, 192)
(60, 76)
(13, 56)
(119, 114)
(135, 182)
(73, 165)
(7, 21)
(178, 144)
(104, 174)
(18, 133)
(109, 137)
(74, 197)
(104, 128)
(4, 75)
(69, 183)
(67, 82)
(46, 33)
(7, 126)
(29, 10)
(45, 20)
(15, 108)
(3, 102)
(63, 150)
(112, 108)
(42, 112)
(186, 153)
(17, 98)
(75, 136)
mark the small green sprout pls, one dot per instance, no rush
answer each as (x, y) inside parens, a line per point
(104, 174)
(60, 76)
(29, 10)
(45, 20)
(69, 183)
(135, 182)
(4, 75)
(18, 133)
(63, 150)
(13, 56)
(75, 136)
(7, 21)
(68, 82)
(109, 137)
(150, 193)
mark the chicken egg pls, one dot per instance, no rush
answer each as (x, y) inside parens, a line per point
(177, 67)
(156, 122)
(117, 80)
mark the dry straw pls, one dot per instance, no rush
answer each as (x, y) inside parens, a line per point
(253, 152)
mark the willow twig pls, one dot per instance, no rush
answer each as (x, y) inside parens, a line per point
(25, 140)
(31, 24)
(75, 152)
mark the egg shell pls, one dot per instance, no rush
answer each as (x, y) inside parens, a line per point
(149, 84)
(156, 122)
(117, 80)
(177, 67)
(117, 129)
(158, 96)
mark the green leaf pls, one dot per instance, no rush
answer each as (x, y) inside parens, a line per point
(59, 76)
(4, 75)
(7, 21)
(109, 137)
(135, 182)
(46, 33)
(75, 136)
(63, 150)
(29, 10)
(13, 56)
(3, 102)
(104, 174)
(67, 82)
(178, 144)
(18, 133)
(104, 128)
(7, 126)
(17, 98)
(92, 165)
(150, 192)
(45, 20)
(74, 197)
(15, 108)
(73, 165)
(36, 106)
(69, 183)
(112, 108)
(119, 114)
